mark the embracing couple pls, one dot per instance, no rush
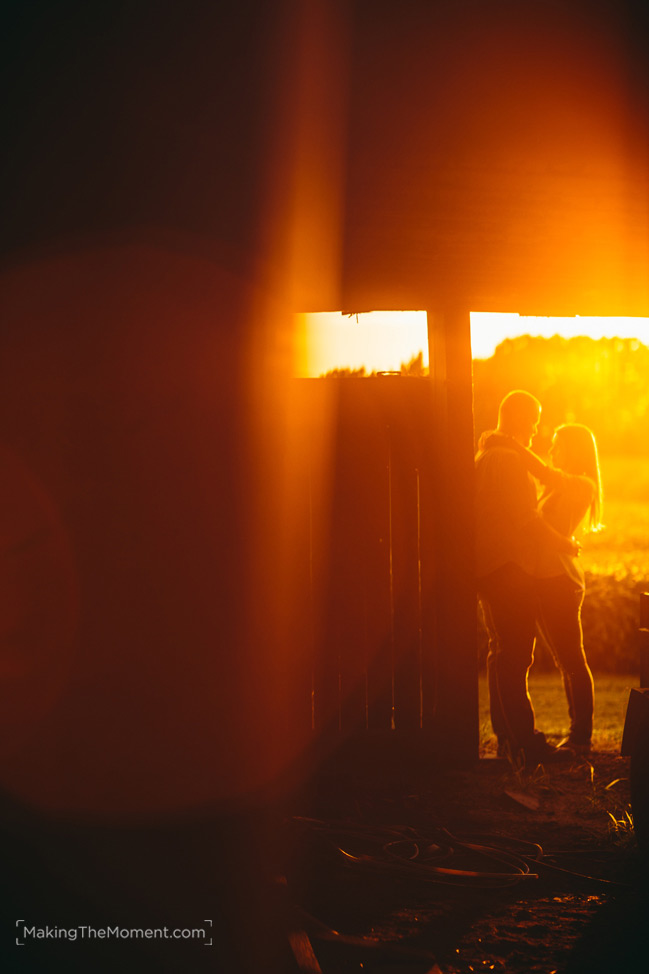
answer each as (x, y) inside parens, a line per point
(528, 573)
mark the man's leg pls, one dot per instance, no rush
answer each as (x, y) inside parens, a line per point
(508, 600)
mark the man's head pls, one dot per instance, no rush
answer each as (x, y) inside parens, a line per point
(518, 416)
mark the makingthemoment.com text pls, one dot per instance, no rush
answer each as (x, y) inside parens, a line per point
(85, 932)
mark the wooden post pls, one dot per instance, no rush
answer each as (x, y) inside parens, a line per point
(643, 639)
(456, 711)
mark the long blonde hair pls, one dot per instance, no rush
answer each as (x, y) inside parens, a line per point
(580, 448)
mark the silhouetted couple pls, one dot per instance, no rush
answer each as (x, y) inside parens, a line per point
(528, 573)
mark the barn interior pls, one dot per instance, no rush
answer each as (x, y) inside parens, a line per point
(220, 579)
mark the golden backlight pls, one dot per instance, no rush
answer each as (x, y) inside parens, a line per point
(384, 340)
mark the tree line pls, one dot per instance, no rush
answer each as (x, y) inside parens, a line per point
(603, 383)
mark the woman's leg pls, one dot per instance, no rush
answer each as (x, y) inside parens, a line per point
(559, 620)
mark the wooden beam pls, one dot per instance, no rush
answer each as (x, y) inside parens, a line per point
(456, 710)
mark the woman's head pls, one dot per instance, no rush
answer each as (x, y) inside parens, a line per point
(574, 450)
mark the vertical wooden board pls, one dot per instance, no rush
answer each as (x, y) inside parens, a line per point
(373, 514)
(422, 421)
(405, 449)
(319, 419)
(304, 614)
(430, 567)
(327, 643)
(427, 555)
(456, 714)
(312, 555)
(363, 668)
(352, 474)
(340, 672)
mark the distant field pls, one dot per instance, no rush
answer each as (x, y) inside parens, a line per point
(621, 550)
(616, 561)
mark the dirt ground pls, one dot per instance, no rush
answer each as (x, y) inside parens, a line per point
(561, 887)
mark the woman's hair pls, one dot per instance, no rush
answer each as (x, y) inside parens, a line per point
(580, 448)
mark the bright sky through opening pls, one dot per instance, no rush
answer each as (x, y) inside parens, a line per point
(378, 340)
(383, 340)
(489, 329)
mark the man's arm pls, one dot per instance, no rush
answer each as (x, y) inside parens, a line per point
(543, 472)
(522, 503)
